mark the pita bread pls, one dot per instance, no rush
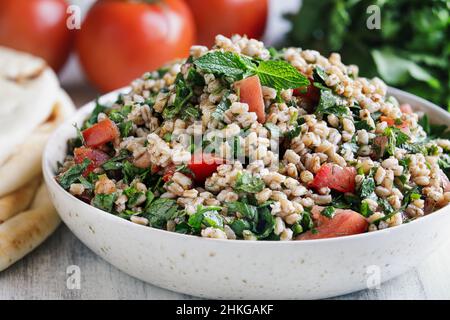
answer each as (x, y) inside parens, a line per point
(28, 91)
(27, 230)
(19, 66)
(25, 164)
(18, 201)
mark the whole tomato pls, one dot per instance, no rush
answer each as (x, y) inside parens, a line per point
(228, 17)
(120, 40)
(38, 27)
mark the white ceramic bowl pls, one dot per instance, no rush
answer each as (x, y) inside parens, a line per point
(246, 269)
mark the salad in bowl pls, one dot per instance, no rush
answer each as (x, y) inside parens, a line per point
(246, 142)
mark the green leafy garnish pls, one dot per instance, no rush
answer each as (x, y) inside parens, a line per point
(367, 187)
(73, 174)
(99, 108)
(280, 75)
(223, 106)
(396, 138)
(183, 92)
(207, 216)
(104, 201)
(160, 211)
(328, 212)
(329, 103)
(223, 63)
(116, 162)
(246, 210)
(130, 172)
(246, 182)
(239, 225)
(277, 74)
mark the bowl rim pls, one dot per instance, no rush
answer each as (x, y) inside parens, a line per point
(50, 180)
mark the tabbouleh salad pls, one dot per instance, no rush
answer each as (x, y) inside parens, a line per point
(245, 142)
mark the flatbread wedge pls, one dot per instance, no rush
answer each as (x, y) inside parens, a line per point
(28, 91)
(19, 200)
(25, 164)
(27, 230)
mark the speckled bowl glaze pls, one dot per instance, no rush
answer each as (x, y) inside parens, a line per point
(246, 269)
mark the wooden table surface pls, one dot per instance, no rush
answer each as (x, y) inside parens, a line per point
(43, 273)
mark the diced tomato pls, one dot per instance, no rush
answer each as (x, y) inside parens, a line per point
(100, 133)
(250, 92)
(203, 165)
(168, 172)
(343, 223)
(309, 93)
(97, 158)
(406, 108)
(391, 122)
(335, 177)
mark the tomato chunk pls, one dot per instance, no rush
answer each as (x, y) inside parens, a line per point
(100, 133)
(203, 165)
(391, 122)
(168, 172)
(97, 158)
(335, 177)
(310, 93)
(250, 92)
(343, 223)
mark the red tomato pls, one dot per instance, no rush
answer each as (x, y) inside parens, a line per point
(38, 27)
(250, 92)
(203, 165)
(168, 172)
(335, 177)
(343, 223)
(121, 40)
(406, 108)
(228, 17)
(97, 158)
(100, 133)
(311, 94)
(391, 122)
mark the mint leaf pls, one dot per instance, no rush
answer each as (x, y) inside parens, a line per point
(223, 63)
(280, 75)
(277, 74)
